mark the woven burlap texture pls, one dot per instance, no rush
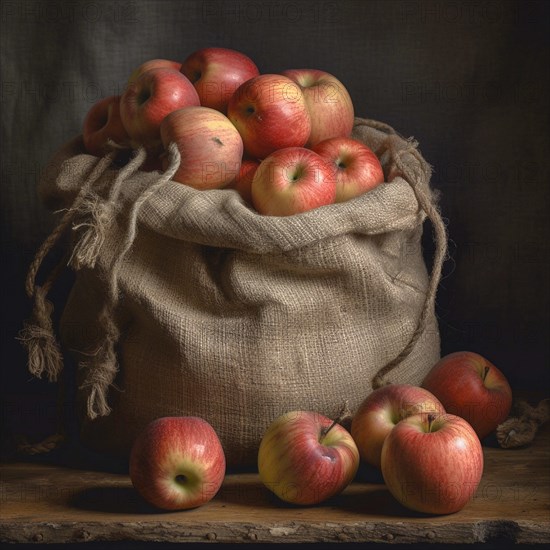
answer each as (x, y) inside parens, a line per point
(194, 304)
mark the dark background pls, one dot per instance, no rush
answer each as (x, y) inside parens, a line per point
(469, 80)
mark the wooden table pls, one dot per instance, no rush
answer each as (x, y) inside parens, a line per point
(51, 504)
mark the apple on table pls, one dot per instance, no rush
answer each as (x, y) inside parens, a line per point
(216, 74)
(305, 458)
(470, 386)
(177, 462)
(432, 463)
(382, 410)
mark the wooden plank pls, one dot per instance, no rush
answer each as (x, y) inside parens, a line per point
(52, 504)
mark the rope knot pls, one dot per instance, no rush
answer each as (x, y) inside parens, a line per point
(37, 335)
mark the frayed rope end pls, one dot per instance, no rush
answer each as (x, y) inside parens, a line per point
(99, 217)
(37, 335)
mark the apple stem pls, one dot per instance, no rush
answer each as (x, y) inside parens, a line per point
(342, 415)
(325, 431)
(485, 373)
(431, 418)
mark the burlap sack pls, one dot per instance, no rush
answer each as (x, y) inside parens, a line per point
(189, 302)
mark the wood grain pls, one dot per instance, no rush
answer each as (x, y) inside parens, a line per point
(52, 504)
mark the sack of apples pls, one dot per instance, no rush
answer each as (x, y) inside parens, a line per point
(244, 246)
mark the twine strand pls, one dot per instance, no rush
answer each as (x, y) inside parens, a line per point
(102, 369)
(420, 185)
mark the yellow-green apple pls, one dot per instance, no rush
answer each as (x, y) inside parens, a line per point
(472, 387)
(153, 64)
(177, 462)
(145, 103)
(270, 113)
(243, 182)
(380, 412)
(216, 74)
(102, 123)
(328, 101)
(432, 463)
(358, 169)
(210, 146)
(306, 458)
(293, 180)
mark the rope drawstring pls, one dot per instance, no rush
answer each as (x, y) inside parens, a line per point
(102, 368)
(94, 216)
(37, 335)
(419, 184)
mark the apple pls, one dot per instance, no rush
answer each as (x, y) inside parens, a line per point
(306, 458)
(210, 146)
(432, 463)
(153, 64)
(328, 101)
(243, 182)
(216, 74)
(177, 462)
(472, 387)
(103, 123)
(148, 100)
(358, 169)
(270, 113)
(293, 180)
(380, 412)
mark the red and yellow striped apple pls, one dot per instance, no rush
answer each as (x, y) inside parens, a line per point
(328, 101)
(216, 74)
(177, 462)
(382, 410)
(306, 458)
(432, 463)
(358, 169)
(270, 113)
(154, 95)
(293, 180)
(472, 387)
(153, 64)
(210, 146)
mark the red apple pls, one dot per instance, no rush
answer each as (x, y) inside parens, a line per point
(103, 123)
(216, 74)
(472, 387)
(243, 182)
(177, 462)
(153, 64)
(210, 146)
(358, 168)
(306, 458)
(328, 101)
(154, 95)
(293, 180)
(432, 463)
(270, 113)
(381, 410)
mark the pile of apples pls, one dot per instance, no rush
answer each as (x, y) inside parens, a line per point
(281, 140)
(426, 440)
